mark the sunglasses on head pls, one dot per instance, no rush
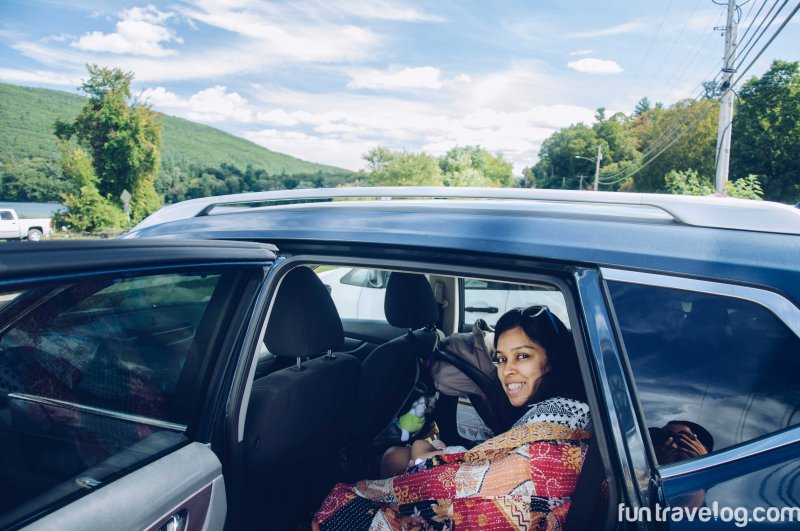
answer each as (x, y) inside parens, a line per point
(537, 311)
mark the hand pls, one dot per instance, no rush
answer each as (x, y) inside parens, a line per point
(421, 458)
(689, 446)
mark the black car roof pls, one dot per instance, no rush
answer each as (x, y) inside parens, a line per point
(624, 234)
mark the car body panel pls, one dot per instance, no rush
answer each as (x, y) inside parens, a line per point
(182, 475)
(739, 256)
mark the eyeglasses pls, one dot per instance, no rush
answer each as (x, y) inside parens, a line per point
(538, 310)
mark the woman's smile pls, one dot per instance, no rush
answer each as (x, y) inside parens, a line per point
(521, 362)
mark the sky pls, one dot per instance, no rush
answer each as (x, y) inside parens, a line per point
(325, 81)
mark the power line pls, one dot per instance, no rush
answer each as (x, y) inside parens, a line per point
(674, 43)
(677, 79)
(647, 53)
(750, 26)
(678, 137)
(777, 32)
(751, 43)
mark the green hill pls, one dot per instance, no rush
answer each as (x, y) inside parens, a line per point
(26, 131)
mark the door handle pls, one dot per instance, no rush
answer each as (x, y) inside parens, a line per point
(176, 523)
(476, 309)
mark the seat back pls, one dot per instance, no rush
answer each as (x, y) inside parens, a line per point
(297, 417)
(390, 371)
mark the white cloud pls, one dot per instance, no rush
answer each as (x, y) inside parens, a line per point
(213, 104)
(513, 89)
(277, 34)
(382, 10)
(580, 52)
(627, 27)
(595, 66)
(344, 154)
(39, 76)
(140, 31)
(426, 77)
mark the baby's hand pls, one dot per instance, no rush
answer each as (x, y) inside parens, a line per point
(439, 445)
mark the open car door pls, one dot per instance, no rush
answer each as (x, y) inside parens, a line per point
(113, 357)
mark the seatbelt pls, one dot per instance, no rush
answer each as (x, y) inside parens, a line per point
(587, 490)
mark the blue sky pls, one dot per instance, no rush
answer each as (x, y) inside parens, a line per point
(326, 81)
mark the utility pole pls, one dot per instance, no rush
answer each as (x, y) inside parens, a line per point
(726, 102)
(580, 187)
(597, 167)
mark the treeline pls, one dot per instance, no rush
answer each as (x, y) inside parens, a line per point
(673, 149)
(181, 181)
(461, 166)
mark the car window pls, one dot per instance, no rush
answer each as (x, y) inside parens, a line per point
(727, 366)
(5, 215)
(366, 278)
(488, 300)
(357, 292)
(97, 375)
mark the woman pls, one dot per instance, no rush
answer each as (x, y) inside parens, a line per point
(520, 479)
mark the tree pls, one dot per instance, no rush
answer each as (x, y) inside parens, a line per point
(681, 137)
(122, 136)
(87, 210)
(766, 131)
(404, 169)
(642, 106)
(475, 166)
(690, 183)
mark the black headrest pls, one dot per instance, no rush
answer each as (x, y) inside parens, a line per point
(410, 302)
(304, 321)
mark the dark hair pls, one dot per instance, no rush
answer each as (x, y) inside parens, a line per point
(563, 378)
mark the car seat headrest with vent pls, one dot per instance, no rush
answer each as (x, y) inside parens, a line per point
(304, 321)
(410, 302)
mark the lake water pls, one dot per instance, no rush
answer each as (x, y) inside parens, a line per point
(33, 210)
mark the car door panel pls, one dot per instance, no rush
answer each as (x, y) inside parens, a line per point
(188, 479)
(740, 493)
(102, 367)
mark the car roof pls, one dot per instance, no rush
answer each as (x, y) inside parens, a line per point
(715, 211)
(608, 229)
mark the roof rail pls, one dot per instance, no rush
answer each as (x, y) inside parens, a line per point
(714, 212)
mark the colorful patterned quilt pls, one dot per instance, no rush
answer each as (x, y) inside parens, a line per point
(522, 479)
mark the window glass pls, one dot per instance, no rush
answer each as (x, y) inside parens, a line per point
(358, 293)
(98, 374)
(725, 366)
(5, 215)
(489, 299)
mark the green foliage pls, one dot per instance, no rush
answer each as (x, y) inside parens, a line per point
(475, 166)
(461, 166)
(690, 183)
(695, 149)
(87, 210)
(403, 169)
(30, 170)
(745, 188)
(122, 136)
(37, 180)
(766, 131)
(642, 107)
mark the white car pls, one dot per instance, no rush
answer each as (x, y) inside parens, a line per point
(359, 294)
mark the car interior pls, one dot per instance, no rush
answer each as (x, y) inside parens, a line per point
(326, 397)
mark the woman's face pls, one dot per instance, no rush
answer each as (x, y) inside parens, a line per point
(520, 364)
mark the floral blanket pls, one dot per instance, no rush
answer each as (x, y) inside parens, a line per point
(522, 479)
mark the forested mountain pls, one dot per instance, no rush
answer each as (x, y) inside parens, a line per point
(196, 159)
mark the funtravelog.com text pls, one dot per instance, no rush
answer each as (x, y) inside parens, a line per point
(740, 516)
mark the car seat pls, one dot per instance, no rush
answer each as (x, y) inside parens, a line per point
(297, 417)
(391, 371)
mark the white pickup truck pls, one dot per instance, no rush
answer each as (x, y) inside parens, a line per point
(14, 228)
